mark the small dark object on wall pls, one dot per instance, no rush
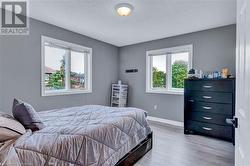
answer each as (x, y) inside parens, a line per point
(131, 70)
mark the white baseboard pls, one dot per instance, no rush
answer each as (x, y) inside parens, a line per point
(165, 121)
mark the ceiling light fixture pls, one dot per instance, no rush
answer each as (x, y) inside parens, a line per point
(124, 9)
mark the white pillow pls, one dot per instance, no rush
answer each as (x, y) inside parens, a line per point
(9, 127)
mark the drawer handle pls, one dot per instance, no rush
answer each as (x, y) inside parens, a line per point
(207, 97)
(207, 118)
(207, 108)
(207, 86)
(207, 128)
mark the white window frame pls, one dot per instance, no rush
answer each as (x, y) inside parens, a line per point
(166, 51)
(73, 47)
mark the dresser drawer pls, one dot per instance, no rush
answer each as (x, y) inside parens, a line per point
(215, 97)
(224, 132)
(209, 118)
(210, 85)
(216, 108)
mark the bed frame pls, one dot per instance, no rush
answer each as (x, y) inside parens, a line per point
(137, 153)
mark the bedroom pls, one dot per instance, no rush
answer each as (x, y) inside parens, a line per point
(96, 46)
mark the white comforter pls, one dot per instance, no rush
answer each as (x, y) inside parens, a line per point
(90, 135)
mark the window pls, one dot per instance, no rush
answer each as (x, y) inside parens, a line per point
(167, 68)
(66, 68)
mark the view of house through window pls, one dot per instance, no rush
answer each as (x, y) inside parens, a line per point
(167, 68)
(54, 68)
(65, 69)
(77, 75)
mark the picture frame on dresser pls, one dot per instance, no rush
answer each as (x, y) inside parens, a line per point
(209, 104)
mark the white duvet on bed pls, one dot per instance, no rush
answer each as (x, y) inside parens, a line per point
(88, 135)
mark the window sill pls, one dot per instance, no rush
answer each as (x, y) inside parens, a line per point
(170, 92)
(64, 92)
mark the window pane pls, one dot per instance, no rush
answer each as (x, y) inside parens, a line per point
(54, 68)
(77, 73)
(179, 63)
(159, 71)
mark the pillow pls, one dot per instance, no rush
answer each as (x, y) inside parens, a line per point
(9, 127)
(26, 115)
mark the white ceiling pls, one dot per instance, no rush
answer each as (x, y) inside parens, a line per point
(150, 20)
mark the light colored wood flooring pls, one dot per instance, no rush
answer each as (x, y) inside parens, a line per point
(172, 148)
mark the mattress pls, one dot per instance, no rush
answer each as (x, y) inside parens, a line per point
(89, 135)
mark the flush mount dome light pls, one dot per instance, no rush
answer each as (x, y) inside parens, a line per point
(124, 9)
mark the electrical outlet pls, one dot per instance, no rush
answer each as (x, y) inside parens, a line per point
(155, 107)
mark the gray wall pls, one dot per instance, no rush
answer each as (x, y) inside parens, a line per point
(21, 67)
(213, 49)
(1, 77)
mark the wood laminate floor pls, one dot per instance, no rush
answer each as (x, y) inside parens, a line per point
(172, 148)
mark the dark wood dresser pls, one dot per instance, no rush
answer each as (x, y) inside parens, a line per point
(208, 103)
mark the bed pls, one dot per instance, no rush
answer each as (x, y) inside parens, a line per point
(88, 135)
